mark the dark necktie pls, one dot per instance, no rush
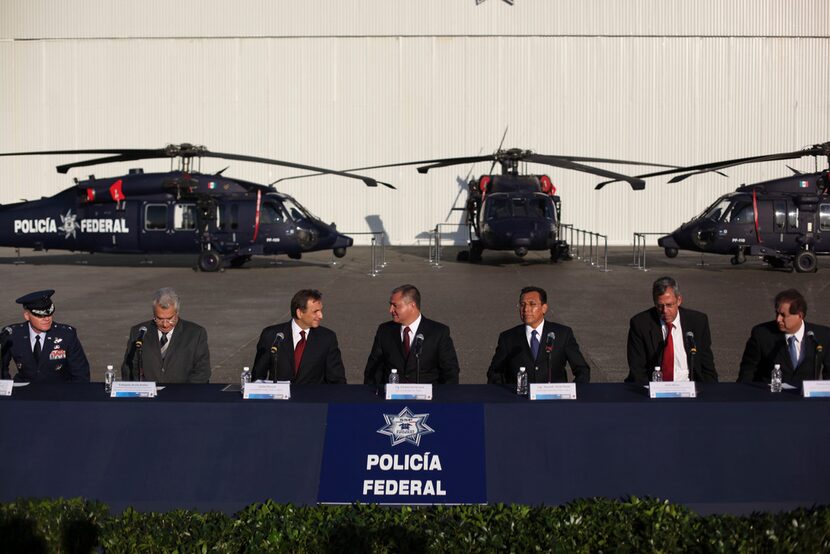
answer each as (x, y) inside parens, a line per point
(163, 344)
(534, 344)
(793, 347)
(406, 341)
(668, 355)
(298, 352)
(36, 349)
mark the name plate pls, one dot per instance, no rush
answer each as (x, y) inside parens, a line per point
(133, 389)
(553, 391)
(672, 389)
(267, 391)
(816, 389)
(408, 391)
(6, 386)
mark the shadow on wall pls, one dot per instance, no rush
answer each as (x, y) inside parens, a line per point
(376, 225)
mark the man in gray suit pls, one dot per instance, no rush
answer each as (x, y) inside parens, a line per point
(167, 349)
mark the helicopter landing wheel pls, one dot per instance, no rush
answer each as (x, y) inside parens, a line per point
(209, 261)
(671, 252)
(805, 262)
(463, 256)
(475, 253)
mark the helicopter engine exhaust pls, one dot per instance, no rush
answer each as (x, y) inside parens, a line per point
(521, 251)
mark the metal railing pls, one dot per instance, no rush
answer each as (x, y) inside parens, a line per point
(435, 246)
(639, 249)
(378, 255)
(586, 247)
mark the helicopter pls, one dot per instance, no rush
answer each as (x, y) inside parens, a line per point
(785, 221)
(515, 211)
(225, 221)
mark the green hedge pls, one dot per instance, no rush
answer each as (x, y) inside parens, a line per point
(599, 525)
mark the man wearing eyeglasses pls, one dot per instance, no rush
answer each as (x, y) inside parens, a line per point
(671, 337)
(167, 349)
(42, 350)
(542, 347)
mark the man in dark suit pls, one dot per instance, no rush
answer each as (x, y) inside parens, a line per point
(43, 351)
(300, 350)
(171, 350)
(541, 347)
(674, 338)
(801, 349)
(409, 342)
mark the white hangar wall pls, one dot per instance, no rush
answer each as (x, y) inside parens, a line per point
(357, 83)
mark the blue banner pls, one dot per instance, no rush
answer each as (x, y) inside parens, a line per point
(396, 453)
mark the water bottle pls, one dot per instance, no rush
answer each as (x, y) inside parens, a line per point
(775, 380)
(244, 377)
(109, 377)
(394, 378)
(521, 382)
(657, 374)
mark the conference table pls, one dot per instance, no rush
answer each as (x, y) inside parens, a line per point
(736, 448)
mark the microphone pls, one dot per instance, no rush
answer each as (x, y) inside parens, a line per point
(690, 338)
(549, 348)
(139, 340)
(277, 342)
(816, 358)
(549, 342)
(419, 342)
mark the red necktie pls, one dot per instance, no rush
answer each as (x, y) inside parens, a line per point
(406, 341)
(298, 352)
(668, 355)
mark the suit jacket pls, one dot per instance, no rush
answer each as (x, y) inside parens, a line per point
(62, 357)
(187, 359)
(513, 352)
(321, 362)
(767, 346)
(439, 364)
(645, 345)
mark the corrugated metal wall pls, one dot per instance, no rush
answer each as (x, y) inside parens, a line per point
(346, 84)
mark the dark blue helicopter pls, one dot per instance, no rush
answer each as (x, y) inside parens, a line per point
(224, 220)
(513, 211)
(784, 221)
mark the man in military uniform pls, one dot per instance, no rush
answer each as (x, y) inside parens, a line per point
(43, 351)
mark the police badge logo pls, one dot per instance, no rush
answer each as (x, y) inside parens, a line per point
(405, 427)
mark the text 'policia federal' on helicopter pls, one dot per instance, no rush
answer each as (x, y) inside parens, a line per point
(223, 220)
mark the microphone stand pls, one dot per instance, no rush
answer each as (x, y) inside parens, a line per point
(549, 374)
(140, 355)
(817, 361)
(418, 367)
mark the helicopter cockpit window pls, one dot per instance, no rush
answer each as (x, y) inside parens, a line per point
(184, 217)
(155, 217)
(741, 212)
(271, 213)
(716, 211)
(824, 217)
(296, 210)
(503, 206)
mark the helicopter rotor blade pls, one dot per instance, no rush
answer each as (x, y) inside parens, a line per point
(368, 180)
(184, 150)
(816, 150)
(636, 184)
